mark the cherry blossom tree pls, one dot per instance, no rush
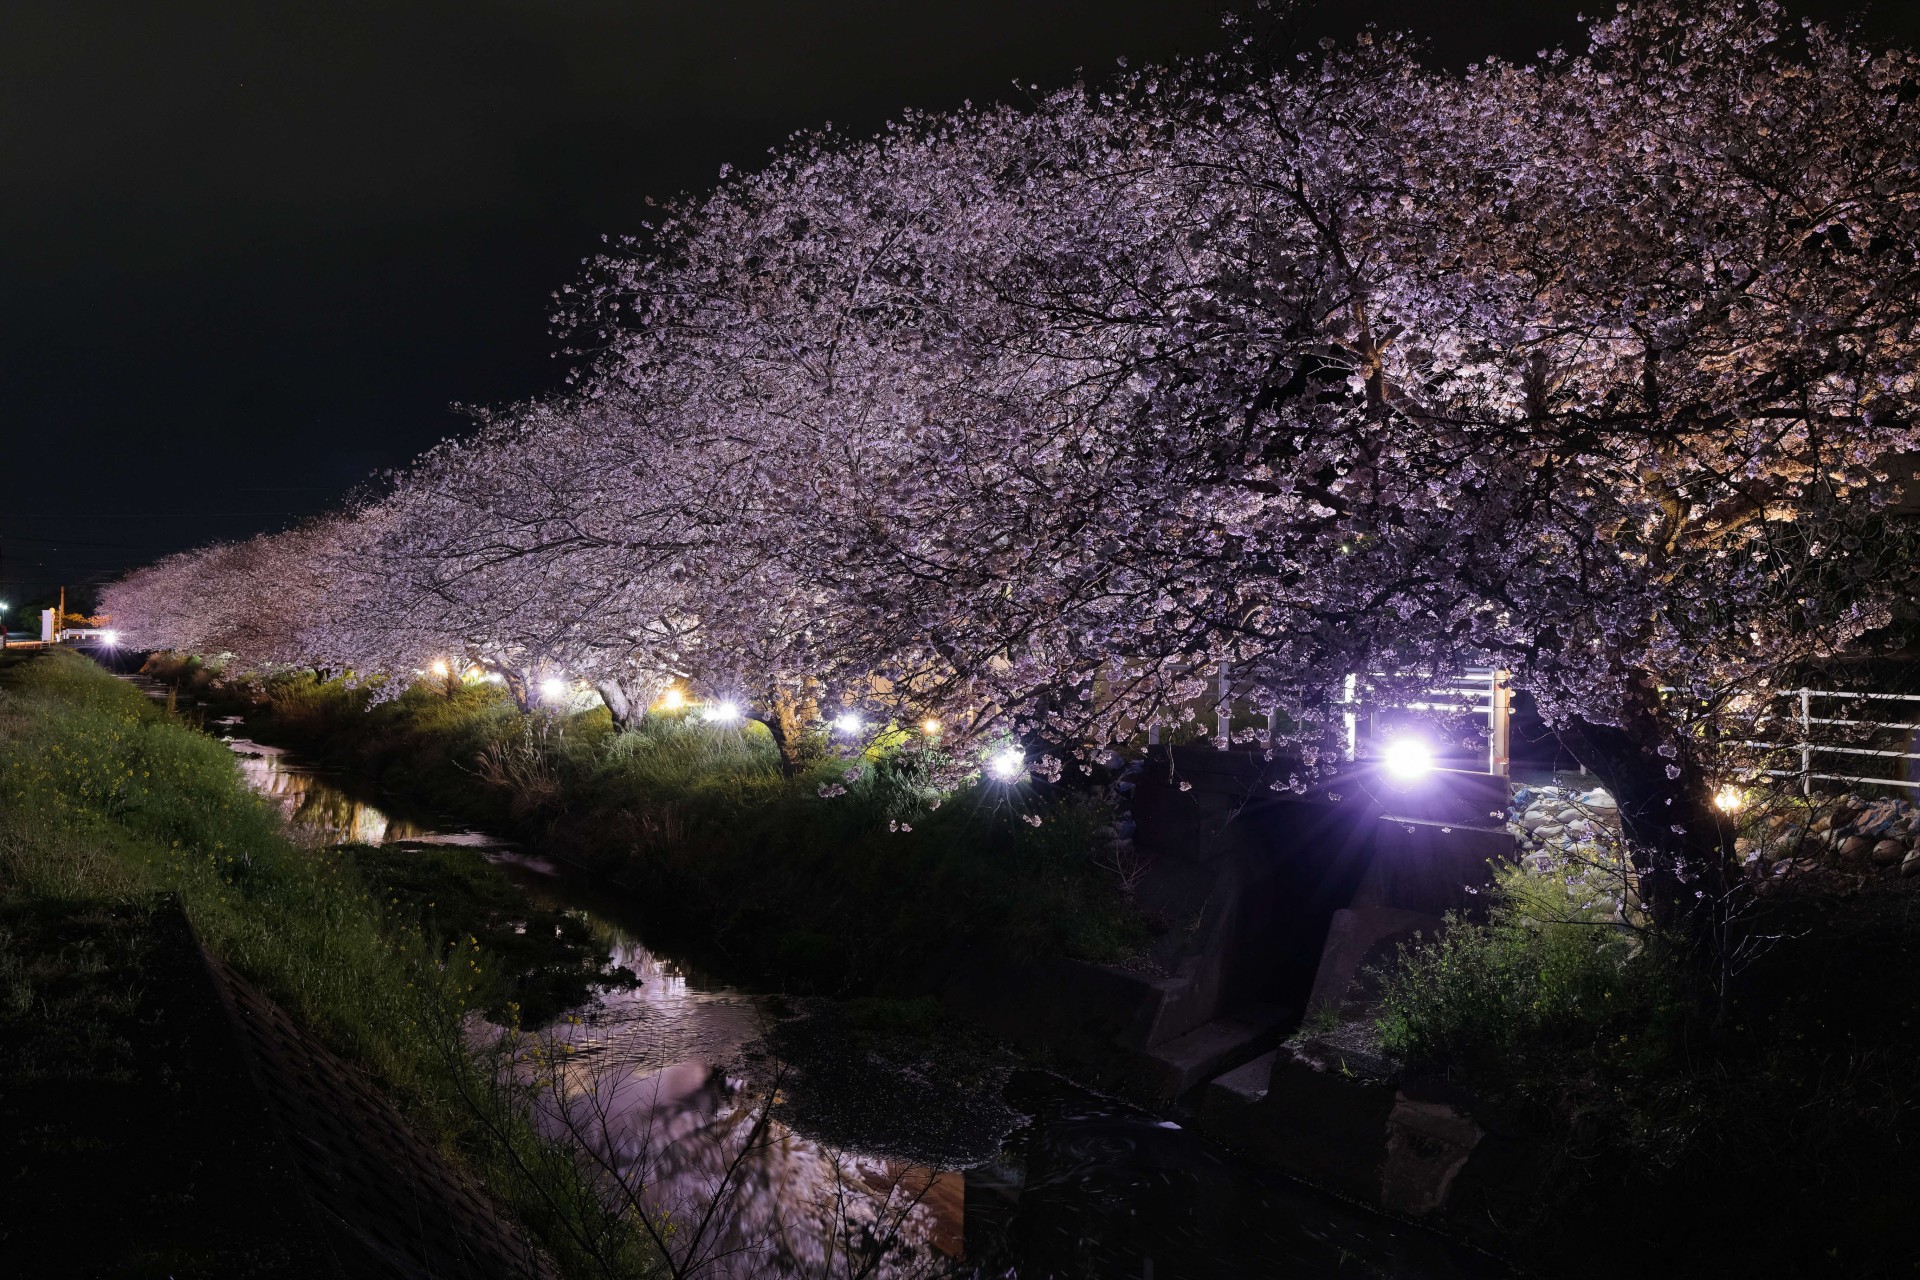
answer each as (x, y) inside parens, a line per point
(1035, 420)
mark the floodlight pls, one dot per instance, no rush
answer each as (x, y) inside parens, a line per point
(724, 712)
(1407, 758)
(1729, 799)
(849, 723)
(1007, 764)
(554, 689)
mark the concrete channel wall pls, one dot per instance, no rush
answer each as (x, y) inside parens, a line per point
(1278, 903)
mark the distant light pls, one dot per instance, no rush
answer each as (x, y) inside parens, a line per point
(111, 637)
(1407, 757)
(672, 700)
(1007, 765)
(849, 723)
(724, 712)
(439, 667)
(1729, 799)
(930, 727)
(554, 689)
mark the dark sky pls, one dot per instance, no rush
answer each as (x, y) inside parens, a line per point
(253, 250)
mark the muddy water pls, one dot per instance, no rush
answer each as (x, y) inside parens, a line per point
(668, 1084)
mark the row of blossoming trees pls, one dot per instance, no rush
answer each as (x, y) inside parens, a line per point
(1030, 419)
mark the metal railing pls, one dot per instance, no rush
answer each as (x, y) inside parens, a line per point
(1808, 748)
(1476, 691)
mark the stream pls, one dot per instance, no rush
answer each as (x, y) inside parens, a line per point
(670, 1084)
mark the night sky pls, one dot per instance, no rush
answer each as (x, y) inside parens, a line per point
(252, 251)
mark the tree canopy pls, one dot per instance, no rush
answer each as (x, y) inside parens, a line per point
(1032, 419)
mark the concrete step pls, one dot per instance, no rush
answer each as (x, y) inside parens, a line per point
(1214, 1047)
(1246, 1083)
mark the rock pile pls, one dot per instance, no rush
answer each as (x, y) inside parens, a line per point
(1851, 832)
(1550, 823)
(1848, 833)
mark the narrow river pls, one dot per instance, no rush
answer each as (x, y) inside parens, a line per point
(669, 1083)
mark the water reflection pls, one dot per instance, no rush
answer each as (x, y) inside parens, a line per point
(664, 1086)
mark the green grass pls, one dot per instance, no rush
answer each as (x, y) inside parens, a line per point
(106, 800)
(758, 871)
(1770, 1118)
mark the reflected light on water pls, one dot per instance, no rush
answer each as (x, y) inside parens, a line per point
(651, 1081)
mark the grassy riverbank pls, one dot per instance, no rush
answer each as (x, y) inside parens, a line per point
(840, 879)
(1756, 1122)
(106, 801)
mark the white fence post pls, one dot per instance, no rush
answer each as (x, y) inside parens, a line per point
(1348, 692)
(1224, 716)
(1806, 743)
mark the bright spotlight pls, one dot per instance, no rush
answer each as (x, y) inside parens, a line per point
(1007, 765)
(1729, 799)
(439, 667)
(111, 637)
(672, 700)
(849, 723)
(1407, 758)
(554, 689)
(930, 727)
(724, 712)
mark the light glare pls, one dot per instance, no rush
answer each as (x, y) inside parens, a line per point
(111, 637)
(1729, 799)
(1407, 757)
(672, 700)
(849, 723)
(930, 727)
(1007, 765)
(724, 712)
(439, 667)
(554, 689)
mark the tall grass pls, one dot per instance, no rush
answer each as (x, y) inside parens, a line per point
(853, 875)
(106, 799)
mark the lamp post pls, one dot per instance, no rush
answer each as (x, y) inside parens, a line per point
(3, 624)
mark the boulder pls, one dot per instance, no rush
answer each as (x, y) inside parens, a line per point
(1567, 815)
(1888, 852)
(1549, 831)
(1854, 846)
(1911, 867)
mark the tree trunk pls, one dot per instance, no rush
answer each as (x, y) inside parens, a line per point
(787, 718)
(1679, 843)
(613, 693)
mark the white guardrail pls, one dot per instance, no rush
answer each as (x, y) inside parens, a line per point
(1477, 691)
(1483, 691)
(1808, 748)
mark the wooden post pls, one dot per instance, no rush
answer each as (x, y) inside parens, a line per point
(1499, 711)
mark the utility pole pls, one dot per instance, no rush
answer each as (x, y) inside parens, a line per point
(60, 617)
